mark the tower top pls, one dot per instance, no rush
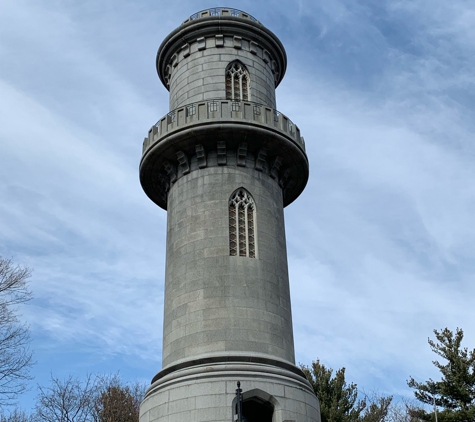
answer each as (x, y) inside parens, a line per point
(220, 21)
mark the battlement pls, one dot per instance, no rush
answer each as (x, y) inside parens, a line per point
(220, 111)
(216, 35)
(220, 11)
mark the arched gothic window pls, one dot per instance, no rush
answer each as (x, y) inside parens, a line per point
(237, 82)
(242, 216)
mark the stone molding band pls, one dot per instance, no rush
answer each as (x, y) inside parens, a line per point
(213, 145)
(227, 366)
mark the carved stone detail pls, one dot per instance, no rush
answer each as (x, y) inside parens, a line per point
(222, 156)
(201, 156)
(164, 183)
(266, 57)
(174, 60)
(274, 172)
(219, 40)
(186, 50)
(170, 169)
(261, 160)
(284, 179)
(242, 154)
(183, 162)
(237, 41)
(168, 71)
(201, 43)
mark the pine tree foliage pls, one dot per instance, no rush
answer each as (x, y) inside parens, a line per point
(455, 392)
(339, 400)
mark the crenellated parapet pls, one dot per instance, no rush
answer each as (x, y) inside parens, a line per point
(191, 61)
(220, 11)
(222, 110)
(223, 133)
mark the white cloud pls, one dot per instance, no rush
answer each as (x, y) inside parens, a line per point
(380, 243)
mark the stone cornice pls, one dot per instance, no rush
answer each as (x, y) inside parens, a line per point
(257, 38)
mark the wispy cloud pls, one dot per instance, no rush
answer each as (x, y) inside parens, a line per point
(380, 243)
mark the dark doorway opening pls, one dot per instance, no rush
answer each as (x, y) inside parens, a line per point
(254, 409)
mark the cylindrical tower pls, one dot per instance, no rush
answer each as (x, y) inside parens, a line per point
(223, 163)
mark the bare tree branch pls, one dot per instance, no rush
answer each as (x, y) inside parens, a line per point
(15, 355)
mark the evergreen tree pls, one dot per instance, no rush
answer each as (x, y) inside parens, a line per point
(339, 401)
(455, 392)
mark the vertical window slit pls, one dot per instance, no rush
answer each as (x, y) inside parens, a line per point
(242, 239)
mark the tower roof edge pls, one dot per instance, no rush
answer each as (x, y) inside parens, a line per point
(205, 24)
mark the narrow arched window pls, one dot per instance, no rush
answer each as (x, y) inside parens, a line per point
(242, 216)
(237, 82)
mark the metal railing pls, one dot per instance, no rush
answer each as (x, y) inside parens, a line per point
(219, 110)
(221, 11)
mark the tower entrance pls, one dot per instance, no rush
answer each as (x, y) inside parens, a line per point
(256, 409)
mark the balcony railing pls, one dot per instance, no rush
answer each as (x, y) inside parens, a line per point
(221, 11)
(223, 111)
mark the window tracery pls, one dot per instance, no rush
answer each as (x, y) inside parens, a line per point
(242, 210)
(237, 82)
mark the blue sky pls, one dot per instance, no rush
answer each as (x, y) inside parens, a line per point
(381, 244)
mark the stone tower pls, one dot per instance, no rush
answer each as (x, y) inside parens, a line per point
(224, 163)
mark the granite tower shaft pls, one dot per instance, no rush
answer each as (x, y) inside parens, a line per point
(224, 163)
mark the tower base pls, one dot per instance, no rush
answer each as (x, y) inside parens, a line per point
(207, 393)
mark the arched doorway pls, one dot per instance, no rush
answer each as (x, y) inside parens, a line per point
(257, 406)
(255, 409)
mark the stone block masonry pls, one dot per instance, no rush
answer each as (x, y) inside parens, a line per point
(224, 163)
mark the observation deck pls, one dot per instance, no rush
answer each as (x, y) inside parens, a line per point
(192, 134)
(220, 11)
(221, 111)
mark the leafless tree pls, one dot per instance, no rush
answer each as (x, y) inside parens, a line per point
(16, 416)
(15, 355)
(100, 398)
(405, 410)
(69, 400)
